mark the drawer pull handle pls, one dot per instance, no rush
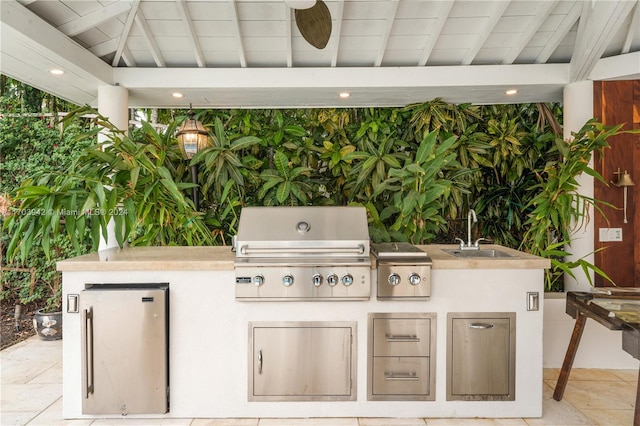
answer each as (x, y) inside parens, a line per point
(402, 338)
(401, 376)
(480, 325)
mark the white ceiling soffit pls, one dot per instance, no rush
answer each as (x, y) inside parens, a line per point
(250, 53)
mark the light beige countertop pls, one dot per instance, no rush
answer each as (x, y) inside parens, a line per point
(166, 258)
(519, 260)
(221, 258)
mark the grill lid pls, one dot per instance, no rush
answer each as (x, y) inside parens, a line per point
(312, 231)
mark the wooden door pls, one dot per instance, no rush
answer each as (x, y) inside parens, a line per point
(617, 102)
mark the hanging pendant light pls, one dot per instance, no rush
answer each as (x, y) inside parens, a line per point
(192, 136)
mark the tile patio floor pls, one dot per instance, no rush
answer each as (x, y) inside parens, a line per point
(31, 394)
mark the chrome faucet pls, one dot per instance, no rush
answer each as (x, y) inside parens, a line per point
(469, 245)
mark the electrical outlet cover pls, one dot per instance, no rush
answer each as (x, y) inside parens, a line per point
(610, 234)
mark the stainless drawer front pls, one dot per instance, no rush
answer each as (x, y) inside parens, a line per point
(400, 376)
(401, 337)
(401, 357)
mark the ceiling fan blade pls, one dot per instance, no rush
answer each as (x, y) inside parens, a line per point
(315, 24)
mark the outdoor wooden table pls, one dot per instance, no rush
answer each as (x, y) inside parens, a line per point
(616, 309)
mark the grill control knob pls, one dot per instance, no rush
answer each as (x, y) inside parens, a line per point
(414, 279)
(394, 279)
(332, 279)
(317, 280)
(258, 280)
(287, 280)
(347, 279)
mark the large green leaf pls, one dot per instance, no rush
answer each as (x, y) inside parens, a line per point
(283, 191)
(282, 164)
(426, 147)
(244, 142)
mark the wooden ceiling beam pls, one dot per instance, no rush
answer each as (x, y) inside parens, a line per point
(147, 34)
(634, 29)
(595, 34)
(124, 35)
(93, 19)
(390, 18)
(443, 15)
(236, 23)
(337, 32)
(494, 17)
(183, 10)
(543, 12)
(288, 21)
(559, 34)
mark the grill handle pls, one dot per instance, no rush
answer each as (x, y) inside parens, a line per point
(359, 249)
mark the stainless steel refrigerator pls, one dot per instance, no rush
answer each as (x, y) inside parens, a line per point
(125, 349)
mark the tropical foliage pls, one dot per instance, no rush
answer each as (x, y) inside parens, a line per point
(416, 169)
(130, 180)
(30, 143)
(557, 205)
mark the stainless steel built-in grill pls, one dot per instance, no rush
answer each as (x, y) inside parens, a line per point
(404, 271)
(302, 253)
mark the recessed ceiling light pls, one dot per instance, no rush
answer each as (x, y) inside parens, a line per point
(511, 92)
(56, 71)
(344, 94)
(177, 95)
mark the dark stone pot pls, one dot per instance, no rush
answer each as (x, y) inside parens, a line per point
(48, 325)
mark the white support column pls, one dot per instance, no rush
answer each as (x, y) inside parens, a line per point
(578, 109)
(113, 103)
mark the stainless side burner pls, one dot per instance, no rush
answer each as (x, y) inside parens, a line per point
(302, 253)
(404, 271)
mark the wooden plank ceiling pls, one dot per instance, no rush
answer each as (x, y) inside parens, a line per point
(250, 53)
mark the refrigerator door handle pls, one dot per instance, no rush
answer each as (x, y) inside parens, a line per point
(87, 353)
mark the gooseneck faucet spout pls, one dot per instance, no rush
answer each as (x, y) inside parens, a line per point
(472, 213)
(470, 245)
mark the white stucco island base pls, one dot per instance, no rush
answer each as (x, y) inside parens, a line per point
(209, 331)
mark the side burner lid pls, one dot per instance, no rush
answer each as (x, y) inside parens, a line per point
(397, 250)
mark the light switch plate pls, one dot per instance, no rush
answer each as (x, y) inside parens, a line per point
(610, 234)
(533, 301)
(72, 303)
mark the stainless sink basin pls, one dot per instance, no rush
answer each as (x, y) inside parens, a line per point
(478, 253)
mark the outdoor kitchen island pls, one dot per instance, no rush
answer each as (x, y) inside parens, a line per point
(211, 338)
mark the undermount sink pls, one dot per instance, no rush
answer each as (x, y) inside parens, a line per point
(479, 253)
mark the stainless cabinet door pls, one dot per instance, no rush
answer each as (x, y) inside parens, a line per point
(481, 357)
(125, 352)
(309, 361)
